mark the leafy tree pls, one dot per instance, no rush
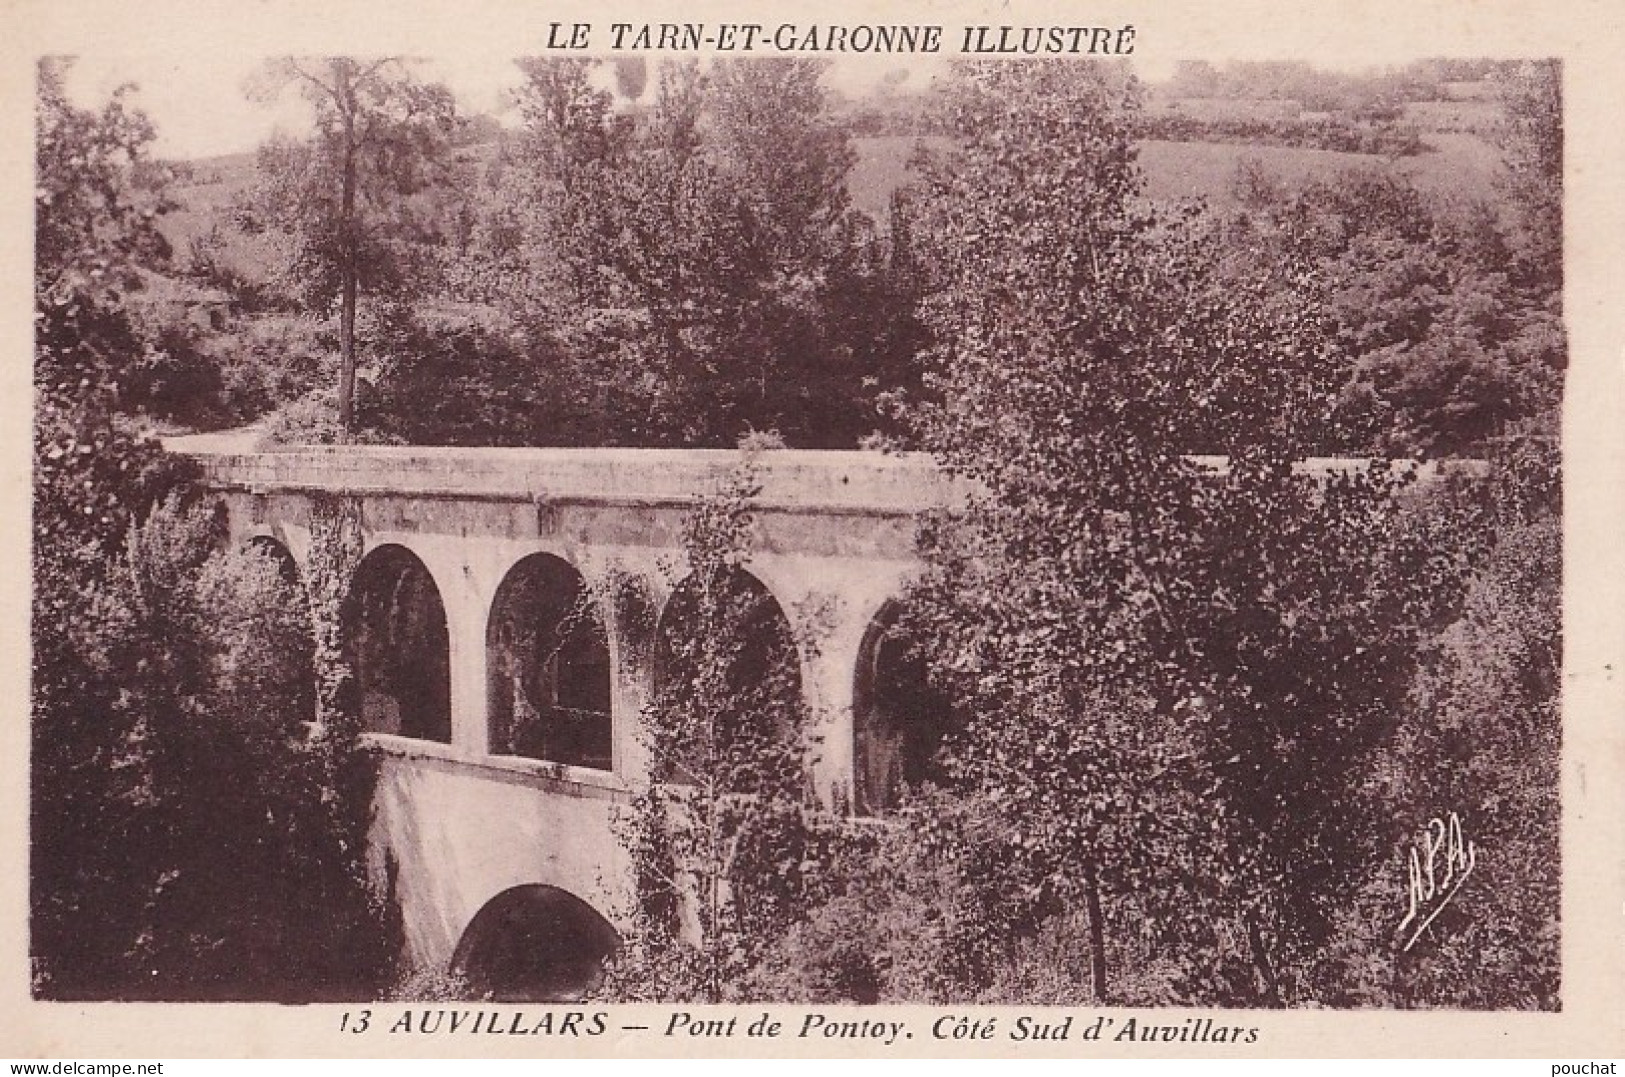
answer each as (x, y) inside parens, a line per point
(1173, 675)
(458, 374)
(938, 904)
(726, 851)
(94, 230)
(231, 877)
(693, 270)
(1447, 348)
(180, 848)
(1532, 139)
(348, 198)
(572, 123)
(94, 215)
(631, 77)
(93, 474)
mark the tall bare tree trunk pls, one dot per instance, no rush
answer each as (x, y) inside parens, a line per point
(347, 357)
(1261, 962)
(347, 273)
(1097, 935)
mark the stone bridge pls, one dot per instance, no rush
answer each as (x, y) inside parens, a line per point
(509, 731)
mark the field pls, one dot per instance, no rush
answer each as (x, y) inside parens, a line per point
(1462, 167)
(1473, 116)
(1462, 164)
(209, 198)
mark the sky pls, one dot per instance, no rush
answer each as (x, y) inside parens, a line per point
(199, 105)
(200, 108)
(190, 57)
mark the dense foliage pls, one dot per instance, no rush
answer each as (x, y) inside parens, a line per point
(1201, 716)
(727, 852)
(682, 273)
(674, 256)
(1203, 692)
(188, 841)
(1453, 338)
(185, 813)
(1111, 611)
(1319, 133)
(1481, 741)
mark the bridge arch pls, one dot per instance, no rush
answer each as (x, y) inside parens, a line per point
(730, 622)
(398, 641)
(283, 676)
(535, 943)
(277, 551)
(548, 667)
(898, 716)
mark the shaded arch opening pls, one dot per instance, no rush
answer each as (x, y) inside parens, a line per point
(285, 629)
(400, 647)
(287, 565)
(549, 672)
(727, 673)
(898, 716)
(535, 943)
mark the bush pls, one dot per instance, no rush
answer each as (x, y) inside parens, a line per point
(271, 360)
(1484, 742)
(1373, 132)
(229, 875)
(727, 850)
(313, 419)
(420, 984)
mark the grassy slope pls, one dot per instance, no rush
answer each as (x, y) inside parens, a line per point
(217, 184)
(1463, 165)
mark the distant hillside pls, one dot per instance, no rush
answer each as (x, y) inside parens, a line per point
(1461, 166)
(1467, 168)
(1460, 161)
(1458, 158)
(212, 188)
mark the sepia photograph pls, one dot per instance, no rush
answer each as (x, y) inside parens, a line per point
(854, 514)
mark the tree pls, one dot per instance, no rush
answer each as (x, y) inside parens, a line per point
(1173, 672)
(631, 77)
(571, 123)
(1532, 139)
(95, 229)
(169, 679)
(214, 857)
(344, 197)
(694, 269)
(726, 849)
(1449, 344)
(93, 475)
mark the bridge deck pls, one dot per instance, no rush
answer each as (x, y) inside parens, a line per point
(821, 482)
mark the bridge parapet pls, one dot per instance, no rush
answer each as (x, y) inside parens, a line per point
(800, 481)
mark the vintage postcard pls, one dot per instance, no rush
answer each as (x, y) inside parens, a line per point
(892, 529)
